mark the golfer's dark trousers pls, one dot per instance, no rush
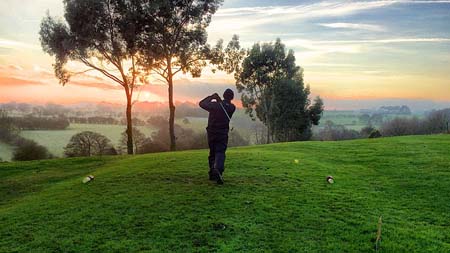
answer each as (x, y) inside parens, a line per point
(217, 146)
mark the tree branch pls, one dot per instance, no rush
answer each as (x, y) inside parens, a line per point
(104, 72)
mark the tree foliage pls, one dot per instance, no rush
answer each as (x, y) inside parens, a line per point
(174, 40)
(101, 34)
(273, 91)
(292, 115)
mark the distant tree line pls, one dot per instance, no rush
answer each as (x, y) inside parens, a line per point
(399, 110)
(434, 123)
(94, 120)
(40, 123)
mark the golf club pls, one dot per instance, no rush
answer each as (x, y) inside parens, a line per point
(219, 100)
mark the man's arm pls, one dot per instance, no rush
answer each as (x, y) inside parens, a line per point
(207, 103)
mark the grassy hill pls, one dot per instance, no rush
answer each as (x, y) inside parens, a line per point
(164, 202)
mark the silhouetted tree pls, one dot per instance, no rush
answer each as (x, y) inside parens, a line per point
(102, 35)
(88, 143)
(175, 40)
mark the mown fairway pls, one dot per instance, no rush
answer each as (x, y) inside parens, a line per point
(164, 202)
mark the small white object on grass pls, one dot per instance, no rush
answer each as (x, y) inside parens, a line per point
(330, 179)
(296, 161)
(88, 179)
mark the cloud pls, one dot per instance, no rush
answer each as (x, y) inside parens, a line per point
(312, 43)
(12, 44)
(98, 85)
(6, 81)
(354, 26)
(15, 67)
(246, 17)
(241, 19)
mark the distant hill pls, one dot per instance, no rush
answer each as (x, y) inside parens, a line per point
(275, 198)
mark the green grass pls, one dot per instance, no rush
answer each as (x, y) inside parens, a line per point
(164, 202)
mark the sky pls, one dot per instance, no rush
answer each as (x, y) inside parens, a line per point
(355, 54)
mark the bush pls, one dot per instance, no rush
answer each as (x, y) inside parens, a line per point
(89, 143)
(366, 131)
(28, 150)
(375, 134)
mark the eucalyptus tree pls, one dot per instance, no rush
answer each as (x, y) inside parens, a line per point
(102, 35)
(263, 66)
(293, 114)
(175, 41)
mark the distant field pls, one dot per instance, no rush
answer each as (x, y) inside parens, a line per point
(5, 151)
(56, 140)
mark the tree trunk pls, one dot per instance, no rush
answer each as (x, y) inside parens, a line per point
(171, 107)
(129, 126)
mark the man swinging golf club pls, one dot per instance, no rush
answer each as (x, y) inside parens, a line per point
(220, 113)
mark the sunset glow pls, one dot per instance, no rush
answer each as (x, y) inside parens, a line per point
(349, 50)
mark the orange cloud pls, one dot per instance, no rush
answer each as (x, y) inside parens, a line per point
(98, 85)
(13, 81)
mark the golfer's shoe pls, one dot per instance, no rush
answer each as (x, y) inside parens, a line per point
(211, 176)
(220, 178)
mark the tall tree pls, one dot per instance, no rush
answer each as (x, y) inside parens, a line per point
(292, 114)
(175, 40)
(264, 65)
(102, 35)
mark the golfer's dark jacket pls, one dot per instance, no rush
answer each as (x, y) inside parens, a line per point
(218, 121)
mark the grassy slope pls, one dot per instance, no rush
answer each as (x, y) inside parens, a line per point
(163, 202)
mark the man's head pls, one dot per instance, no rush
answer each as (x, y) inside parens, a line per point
(228, 94)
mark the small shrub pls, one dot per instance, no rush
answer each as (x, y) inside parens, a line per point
(367, 131)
